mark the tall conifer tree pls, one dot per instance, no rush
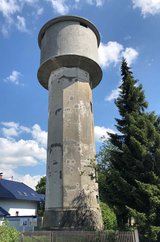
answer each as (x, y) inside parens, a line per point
(132, 177)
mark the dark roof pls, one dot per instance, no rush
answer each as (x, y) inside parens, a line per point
(3, 212)
(42, 196)
(18, 191)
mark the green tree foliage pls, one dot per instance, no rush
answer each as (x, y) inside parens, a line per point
(41, 186)
(131, 160)
(109, 217)
(103, 165)
(8, 234)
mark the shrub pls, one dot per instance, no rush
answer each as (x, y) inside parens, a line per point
(8, 233)
(109, 217)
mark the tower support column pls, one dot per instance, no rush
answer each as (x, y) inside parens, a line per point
(72, 199)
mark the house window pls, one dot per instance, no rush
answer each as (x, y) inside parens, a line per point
(17, 213)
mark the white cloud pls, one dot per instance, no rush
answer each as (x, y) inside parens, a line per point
(39, 135)
(16, 15)
(9, 132)
(21, 24)
(20, 153)
(5, 29)
(30, 2)
(130, 55)
(13, 12)
(147, 6)
(114, 94)
(9, 7)
(112, 53)
(100, 133)
(24, 129)
(10, 124)
(14, 77)
(6, 26)
(60, 6)
(29, 180)
(16, 152)
(99, 2)
(12, 129)
(64, 6)
(89, 2)
(35, 5)
(40, 11)
(95, 2)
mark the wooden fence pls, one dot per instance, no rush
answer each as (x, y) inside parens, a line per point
(79, 236)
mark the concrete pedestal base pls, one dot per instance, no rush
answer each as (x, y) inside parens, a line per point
(71, 220)
(55, 220)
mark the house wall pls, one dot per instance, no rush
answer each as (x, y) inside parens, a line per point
(24, 208)
(23, 223)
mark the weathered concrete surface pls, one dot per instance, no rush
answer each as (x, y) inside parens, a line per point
(70, 42)
(71, 179)
(69, 69)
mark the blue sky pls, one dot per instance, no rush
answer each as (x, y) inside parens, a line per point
(128, 28)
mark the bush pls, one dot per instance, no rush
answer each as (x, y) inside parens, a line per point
(8, 233)
(109, 217)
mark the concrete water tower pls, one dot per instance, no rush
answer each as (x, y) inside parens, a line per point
(69, 69)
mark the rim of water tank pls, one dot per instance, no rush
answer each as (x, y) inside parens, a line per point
(57, 62)
(67, 18)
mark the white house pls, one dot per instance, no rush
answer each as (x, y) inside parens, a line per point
(18, 199)
(18, 202)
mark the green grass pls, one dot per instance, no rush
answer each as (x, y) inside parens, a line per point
(62, 239)
(59, 239)
(70, 237)
(36, 239)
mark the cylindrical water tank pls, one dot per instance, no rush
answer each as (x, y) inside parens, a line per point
(69, 41)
